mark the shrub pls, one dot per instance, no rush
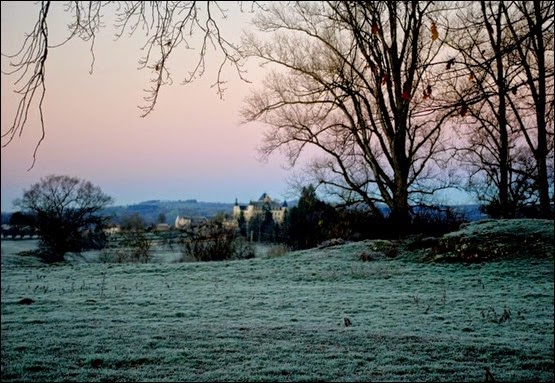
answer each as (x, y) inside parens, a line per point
(435, 220)
(211, 243)
(243, 249)
(133, 247)
(277, 250)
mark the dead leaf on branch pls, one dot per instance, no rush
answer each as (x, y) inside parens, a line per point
(435, 34)
(406, 91)
(464, 110)
(427, 93)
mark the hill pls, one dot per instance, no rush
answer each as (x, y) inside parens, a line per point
(488, 240)
(151, 210)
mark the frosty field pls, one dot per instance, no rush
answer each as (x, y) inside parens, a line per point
(277, 319)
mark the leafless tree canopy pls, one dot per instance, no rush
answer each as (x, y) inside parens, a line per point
(169, 26)
(358, 83)
(505, 58)
(63, 195)
(64, 207)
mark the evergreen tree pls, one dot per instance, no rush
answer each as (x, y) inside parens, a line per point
(310, 222)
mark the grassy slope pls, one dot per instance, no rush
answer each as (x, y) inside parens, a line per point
(497, 239)
(278, 319)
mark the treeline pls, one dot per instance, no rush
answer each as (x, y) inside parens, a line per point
(151, 211)
(313, 221)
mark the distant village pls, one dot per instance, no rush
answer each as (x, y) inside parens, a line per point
(228, 214)
(189, 215)
(229, 219)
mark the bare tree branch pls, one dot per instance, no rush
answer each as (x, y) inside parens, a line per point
(349, 84)
(168, 26)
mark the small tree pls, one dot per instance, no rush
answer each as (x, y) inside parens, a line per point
(67, 212)
(137, 247)
(133, 222)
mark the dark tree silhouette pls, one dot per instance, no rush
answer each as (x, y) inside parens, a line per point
(356, 85)
(242, 222)
(310, 222)
(504, 77)
(21, 224)
(66, 210)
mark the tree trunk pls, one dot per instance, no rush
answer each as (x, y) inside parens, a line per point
(542, 151)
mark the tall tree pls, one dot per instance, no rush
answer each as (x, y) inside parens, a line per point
(480, 44)
(534, 27)
(65, 208)
(356, 82)
(496, 47)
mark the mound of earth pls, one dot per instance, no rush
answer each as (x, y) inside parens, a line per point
(494, 239)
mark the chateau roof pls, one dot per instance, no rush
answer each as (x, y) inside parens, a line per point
(265, 198)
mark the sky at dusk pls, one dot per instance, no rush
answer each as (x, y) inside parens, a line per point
(192, 146)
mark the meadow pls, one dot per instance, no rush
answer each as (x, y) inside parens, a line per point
(313, 315)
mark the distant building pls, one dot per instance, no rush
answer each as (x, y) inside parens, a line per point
(264, 203)
(114, 229)
(162, 227)
(182, 222)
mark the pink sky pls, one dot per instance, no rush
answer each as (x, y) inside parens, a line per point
(191, 146)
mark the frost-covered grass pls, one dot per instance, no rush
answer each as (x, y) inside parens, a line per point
(497, 239)
(278, 319)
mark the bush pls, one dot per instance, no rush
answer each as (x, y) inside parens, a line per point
(435, 221)
(212, 243)
(243, 249)
(277, 250)
(134, 247)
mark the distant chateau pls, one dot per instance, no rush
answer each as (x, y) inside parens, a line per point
(260, 207)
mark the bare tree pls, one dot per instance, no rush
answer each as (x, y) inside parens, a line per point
(65, 208)
(535, 90)
(481, 50)
(498, 115)
(168, 26)
(357, 83)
